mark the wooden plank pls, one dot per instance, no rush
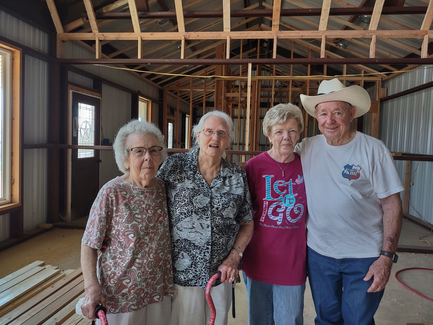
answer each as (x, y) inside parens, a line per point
(11, 294)
(276, 13)
(375, 17)
(226, 16)
(75, 320)
(51, 304)
(373, 47)
(20, 271)
(179, 16)
(55, 16)
(424, 47)
(134, 16)
(54, 306)
(40, 297)
(428, 18)
(21, 300)
(326, 6)
(63, 314)
(91, 15)
(253, 34)
(21, 278)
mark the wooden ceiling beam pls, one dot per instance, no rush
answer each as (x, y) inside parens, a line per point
(134, 16)
(276, 15)
(226, 15)
(91, 16)
(179, 16)
(428, 18)
(55, 16)
(252, 35)
(326, 6)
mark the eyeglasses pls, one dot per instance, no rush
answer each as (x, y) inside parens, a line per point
(141, 151)
(220, 134)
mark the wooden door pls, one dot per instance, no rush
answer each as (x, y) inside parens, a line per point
(85, 162)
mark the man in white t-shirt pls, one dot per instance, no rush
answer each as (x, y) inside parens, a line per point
(354, 207)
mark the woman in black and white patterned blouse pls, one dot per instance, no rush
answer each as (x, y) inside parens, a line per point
(211, 220)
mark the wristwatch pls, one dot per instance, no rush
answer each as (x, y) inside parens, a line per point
(392, 256)
(238, 251)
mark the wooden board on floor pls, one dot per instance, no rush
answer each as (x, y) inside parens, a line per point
(13, 275)
(49, 302)
(21, 288)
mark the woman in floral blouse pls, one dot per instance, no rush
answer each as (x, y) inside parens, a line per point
(211, 220)
(133, 276)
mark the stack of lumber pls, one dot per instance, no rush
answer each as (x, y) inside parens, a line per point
(41, 294)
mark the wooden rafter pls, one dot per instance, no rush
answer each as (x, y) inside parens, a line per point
(375, 17)
(428, 18)
(276, 15)
(55, 16)
(325, 14)
(91, 15)
(226, 15)
(179, 16)
(134, 16)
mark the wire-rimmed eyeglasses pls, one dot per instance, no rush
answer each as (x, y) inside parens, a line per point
(220, 133)
(141, 151)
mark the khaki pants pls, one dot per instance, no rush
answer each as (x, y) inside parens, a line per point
(189, 305)
(153, 314)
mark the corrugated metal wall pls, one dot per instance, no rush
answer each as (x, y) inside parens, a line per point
(115, 112)
(23, 33)
(35, 114)
(406, 125)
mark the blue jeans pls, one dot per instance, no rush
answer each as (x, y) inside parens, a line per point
(271, 304)
(339, 291)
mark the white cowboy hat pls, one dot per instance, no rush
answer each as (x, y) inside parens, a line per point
(334, 90)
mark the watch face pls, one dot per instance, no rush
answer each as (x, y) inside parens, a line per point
(395, 258)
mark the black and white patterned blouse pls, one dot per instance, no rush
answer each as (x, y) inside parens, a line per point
(204, 220)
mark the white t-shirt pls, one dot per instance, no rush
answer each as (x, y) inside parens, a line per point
(344, 187)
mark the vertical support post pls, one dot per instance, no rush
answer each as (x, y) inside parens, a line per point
(248, 117)
(406, 194)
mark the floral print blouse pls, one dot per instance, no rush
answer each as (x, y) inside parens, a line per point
(204, 220)
(135, 270)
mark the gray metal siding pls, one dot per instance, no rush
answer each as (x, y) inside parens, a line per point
(406, 125)
(115, 112)
(23, 33)
(35, 167)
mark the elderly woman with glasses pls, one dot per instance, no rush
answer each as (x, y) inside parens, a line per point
(132, 277)
(211, 221)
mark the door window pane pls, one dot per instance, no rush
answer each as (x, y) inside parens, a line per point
(170, 136)
(86, 129)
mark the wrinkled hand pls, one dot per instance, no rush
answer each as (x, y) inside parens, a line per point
(93, 298)
(380, 271)
(229, 268)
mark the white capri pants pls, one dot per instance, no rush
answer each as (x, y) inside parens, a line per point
(189, 305)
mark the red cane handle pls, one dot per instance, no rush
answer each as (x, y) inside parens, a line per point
(209, 298)
(100, 313)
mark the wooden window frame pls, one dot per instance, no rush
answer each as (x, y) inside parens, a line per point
(15, 131)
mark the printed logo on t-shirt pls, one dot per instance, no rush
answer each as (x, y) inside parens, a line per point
(351, 172)
(279, 208)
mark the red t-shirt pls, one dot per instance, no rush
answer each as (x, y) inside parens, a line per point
(276, 253)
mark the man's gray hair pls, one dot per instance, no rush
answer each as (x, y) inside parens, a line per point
(279, 114)
(135, 127)
(225, 117)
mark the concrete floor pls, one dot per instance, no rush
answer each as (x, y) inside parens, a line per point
(61, 247)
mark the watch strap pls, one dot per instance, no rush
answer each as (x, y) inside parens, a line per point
(392, 256)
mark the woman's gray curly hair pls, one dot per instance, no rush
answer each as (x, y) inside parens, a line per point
(135, 127)
(225, 117)
(281, 113)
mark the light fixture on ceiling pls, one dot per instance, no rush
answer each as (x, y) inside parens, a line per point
(342, 44)
(278, 83)
(179, 45)
(162, 22)
(365, 19)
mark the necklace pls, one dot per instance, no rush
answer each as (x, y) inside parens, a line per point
(278, 164)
